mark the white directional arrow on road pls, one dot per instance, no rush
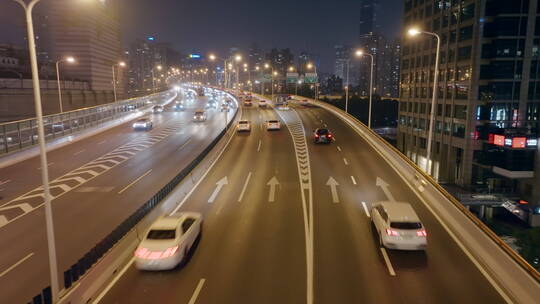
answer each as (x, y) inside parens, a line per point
(384, 186)
(273, 182)
(222, 182)
(333, 188)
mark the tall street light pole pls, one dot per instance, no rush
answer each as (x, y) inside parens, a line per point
(359, 54)
(120, 64)
(414, 32)
(69, 60)
(314, 66)
(42, 151)
(159, 67)
(347, 88)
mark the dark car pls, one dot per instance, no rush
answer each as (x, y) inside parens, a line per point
(322, 136)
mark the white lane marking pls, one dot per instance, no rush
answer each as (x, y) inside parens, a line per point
(113, 282)
(5, 182)
(346, 161)
(16, 264)
(219, 185)
(101, 142)
(384, 186)
(321, 120)
(387, 261)
(48, 165)
(332, 183)
(259, 146)
(196, 292)
(365, 209)
(353, 180)
(325, 125)
(77, 153)
(244, 188)
(273, 182)
(182, 146)
(339, 148)
(135, 181)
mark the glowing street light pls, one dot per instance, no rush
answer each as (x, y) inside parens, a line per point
(414, 32)
(360, 53)
(119, 64)
(68, 59)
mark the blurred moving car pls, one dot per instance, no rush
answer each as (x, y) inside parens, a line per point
(225, 108)
(248, 102)
(398, 226)
(199, 115)
(244, 126)
(168, 241)
(273, 125)
(157, 109)
(178, 107)
(322, 136)
(262, 103)
(143, 124)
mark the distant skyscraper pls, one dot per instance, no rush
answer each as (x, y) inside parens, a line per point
(368, 17)
(89, 31)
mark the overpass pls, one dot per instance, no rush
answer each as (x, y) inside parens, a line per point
(286, 221)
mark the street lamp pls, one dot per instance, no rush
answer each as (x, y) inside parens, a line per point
(42, 150)
(120, 64)
(414, 32)
(159, 68)
(237, 59)
(68, 59)
(360, 53)
(313, 66)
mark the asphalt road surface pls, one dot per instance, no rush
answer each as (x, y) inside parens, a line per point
(253, 248)
(105, 178)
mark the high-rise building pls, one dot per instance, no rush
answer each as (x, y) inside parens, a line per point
(345, 56)
(368, 17)
(89, 31)
(487, 110)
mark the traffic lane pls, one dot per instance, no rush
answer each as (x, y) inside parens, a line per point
(166, 159)
(443, 266)
(346, 262)
(236, 264)
(24, 176)
(75, 225)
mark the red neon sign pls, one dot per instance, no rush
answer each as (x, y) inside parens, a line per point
(498, 140)
(519, 142)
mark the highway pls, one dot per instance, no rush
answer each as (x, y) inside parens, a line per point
(97, 183)
(262, 233)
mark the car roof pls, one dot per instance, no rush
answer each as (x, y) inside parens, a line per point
(172, 221)
(400, 211)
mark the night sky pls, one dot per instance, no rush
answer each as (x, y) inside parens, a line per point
(215, 25)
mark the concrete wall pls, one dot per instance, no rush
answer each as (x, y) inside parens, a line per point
(16, 104)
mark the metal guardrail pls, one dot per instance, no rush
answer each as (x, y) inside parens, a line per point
(81, 267)
(21, 134)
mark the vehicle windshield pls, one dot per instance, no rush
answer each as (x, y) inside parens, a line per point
(406, 225)
(273, 121)
(142, 120)
(322, 131)
(161, 234)
(243, 122)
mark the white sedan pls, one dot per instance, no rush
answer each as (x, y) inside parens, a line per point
(244, 125)
(398, 226)
(168, 241)
(273, 125)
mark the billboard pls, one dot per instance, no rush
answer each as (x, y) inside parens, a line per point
(292, 77)
(310, 78)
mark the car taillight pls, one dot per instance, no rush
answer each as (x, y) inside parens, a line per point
(421, 233)
(329, 135)
(391, 232)
(317, 135)
(144, 253)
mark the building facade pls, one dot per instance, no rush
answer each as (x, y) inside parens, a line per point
(488, 96)
(89, 31)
